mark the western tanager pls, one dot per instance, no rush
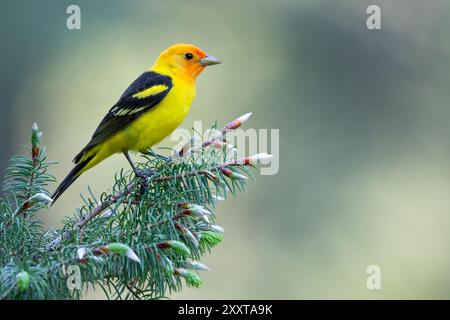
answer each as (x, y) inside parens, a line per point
(150, 109)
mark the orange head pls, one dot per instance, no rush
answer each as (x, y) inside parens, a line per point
(183, 60)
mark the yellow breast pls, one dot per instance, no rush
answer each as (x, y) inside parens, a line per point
(157, 123)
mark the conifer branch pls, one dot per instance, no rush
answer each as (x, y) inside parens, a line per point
(111, 199)
(137, 241)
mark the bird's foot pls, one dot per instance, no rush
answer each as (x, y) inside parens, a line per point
(144, 175)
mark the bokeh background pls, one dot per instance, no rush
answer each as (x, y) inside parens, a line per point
(363, 115)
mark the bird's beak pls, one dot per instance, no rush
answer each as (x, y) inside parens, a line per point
(209, 61)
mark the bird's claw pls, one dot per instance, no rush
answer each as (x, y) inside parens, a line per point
(144, 174)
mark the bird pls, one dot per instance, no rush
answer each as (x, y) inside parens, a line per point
(149, 110)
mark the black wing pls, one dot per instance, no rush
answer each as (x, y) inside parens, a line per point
(144, 93)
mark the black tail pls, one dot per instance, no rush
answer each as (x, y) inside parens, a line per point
(71, 177)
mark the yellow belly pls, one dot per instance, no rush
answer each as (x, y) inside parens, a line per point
(151, 127)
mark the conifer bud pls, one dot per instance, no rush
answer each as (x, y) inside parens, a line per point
(239, 121)
(232, 175)
(211, 176)
(191, 277)
(195, 210)
(121, 249)
(81, 253)
(36, 136)
(177, 246)
(195, 265)
(210, 238)
(39, 198)
(212, 227)
(255, 159)
(22, 281)
(186, 232)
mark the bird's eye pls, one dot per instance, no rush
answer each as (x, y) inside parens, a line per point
(189, 56)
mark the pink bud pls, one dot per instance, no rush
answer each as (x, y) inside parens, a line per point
(239, 121)
(255, 159)
(186, 232)
(232, 175)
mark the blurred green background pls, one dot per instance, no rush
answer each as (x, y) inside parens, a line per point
(363, 116)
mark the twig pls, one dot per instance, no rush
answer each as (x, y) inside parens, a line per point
(181, 176)
(103, 206)
(91, 215)
(131, 289)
